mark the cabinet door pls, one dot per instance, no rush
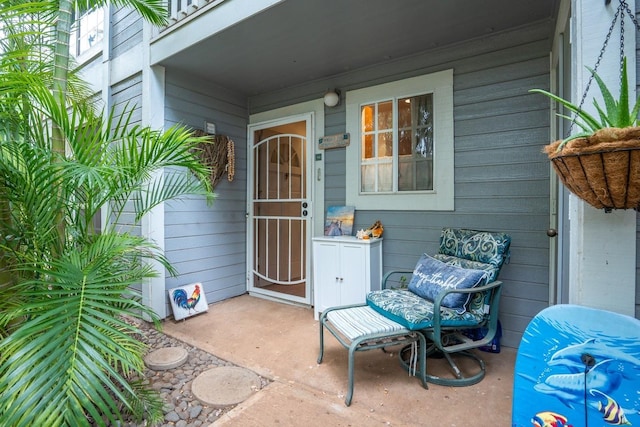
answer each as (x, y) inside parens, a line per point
(353, 262)
(326, 275)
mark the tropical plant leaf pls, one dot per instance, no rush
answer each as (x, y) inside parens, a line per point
(76, 334)
(614, 114)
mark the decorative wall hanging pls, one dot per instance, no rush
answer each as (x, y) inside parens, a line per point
(334, 141)
(601, 164)
(218, 153)
(188, 300)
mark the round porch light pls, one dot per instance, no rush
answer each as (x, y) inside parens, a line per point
(331, 98)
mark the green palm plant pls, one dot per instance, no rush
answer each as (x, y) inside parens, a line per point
(69, 355)
(69, 348)
(616, 113)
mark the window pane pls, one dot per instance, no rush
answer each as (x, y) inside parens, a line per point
(424, 175)
(367, 118)
(385, 144)
(415, 175)
(405, 142)
(385, 181)
(367, 146)
(87, 31)
(415, 143)
(368, 178)
(385, 115)
(404, 113)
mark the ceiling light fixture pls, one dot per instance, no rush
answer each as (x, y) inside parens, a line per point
(332, 98)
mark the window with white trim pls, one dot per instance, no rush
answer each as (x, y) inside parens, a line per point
(401, 151)
(87, 31)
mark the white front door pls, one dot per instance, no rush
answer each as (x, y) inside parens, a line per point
(280, 209)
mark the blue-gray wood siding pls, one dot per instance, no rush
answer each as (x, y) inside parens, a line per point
(126, 30)
(501, 176)
(207, 244)
(126, 97)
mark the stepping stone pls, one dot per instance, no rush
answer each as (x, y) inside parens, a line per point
(225, 386)
(166, 358)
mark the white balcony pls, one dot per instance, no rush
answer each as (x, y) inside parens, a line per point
(180, 10)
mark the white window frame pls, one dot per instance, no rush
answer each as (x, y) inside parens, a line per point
(76, 30)
(442, 195)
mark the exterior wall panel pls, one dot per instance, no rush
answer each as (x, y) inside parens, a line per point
(126, 31)
(204, 243)
(126, 96)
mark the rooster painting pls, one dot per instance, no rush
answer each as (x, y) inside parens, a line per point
(181, 300)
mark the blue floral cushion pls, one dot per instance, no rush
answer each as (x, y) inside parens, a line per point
(481, 246)
(415, 313)
(431, 277)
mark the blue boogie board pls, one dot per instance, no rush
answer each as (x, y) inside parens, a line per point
(578, 367)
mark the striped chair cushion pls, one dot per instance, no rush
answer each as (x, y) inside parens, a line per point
(356, 322)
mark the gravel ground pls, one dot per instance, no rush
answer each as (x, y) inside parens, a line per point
(181, 408)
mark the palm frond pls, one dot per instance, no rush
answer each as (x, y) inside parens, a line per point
(153, 11)
(75, 339)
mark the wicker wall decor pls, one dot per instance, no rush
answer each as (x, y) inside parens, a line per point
(602, 169)
(218, 153)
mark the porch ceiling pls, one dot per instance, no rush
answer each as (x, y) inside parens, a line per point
(298, 41)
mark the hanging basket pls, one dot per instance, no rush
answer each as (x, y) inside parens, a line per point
(602, 169)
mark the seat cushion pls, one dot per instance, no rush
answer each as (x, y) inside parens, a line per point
(431, 277)
(415, 313)
(356, 322)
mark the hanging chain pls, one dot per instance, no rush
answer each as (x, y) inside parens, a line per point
(595, 68)
(620, 12)
(631, 14)
(622, 2)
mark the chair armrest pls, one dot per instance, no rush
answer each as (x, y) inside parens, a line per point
(394, 273)
(494, 287)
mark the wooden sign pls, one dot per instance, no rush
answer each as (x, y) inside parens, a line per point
(334, 141)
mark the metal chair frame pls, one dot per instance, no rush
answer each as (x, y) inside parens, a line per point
(370, 342)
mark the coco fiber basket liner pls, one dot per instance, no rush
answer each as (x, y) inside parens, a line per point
(602, 169)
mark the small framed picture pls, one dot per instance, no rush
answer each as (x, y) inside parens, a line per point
(188, 300)
(339, 221)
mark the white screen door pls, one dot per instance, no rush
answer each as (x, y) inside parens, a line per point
(279, 209)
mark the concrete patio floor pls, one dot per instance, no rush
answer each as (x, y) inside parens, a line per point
(280, 342)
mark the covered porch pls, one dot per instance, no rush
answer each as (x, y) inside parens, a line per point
(280, 342)
(236, 66)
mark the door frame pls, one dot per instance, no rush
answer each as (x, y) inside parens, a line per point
(313, 111)
(560, 84)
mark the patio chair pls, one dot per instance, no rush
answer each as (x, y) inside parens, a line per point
(449, 294)
(442, 314)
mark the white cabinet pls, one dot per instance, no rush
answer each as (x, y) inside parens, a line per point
(345, 269)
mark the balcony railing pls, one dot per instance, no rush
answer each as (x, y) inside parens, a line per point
(179, 10)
